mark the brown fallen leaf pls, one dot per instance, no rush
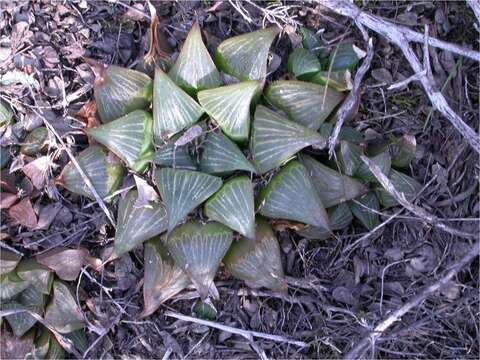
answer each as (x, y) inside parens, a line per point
(37, 171)
(23, 213)
(281, 225)
(88, 114)
(46, 215)
(12, 347)
(66, 263)
(7, 200)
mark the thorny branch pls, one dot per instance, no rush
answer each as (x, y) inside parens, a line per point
(402, 36)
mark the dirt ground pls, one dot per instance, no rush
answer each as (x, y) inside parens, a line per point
(350, 286)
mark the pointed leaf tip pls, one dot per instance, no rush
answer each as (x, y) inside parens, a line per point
(302, 63)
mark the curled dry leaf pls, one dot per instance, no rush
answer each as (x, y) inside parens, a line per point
(66, 263)
(23, 213)
(88, 114)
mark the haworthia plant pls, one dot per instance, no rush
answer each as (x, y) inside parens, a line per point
(291, 195)
(8, 261)
(168, 154)
(20, 322)
(245, 56)
(137, 224)
(173, 109)
(349, 157)
(35, 141)
(303, 64)
(332, 187)
(276, 139)
(257, 262)
(222, 156)
(404, 184)
(11, 285)
(401, 149)
(347, 133)
(198, 249)
(340, 216)
(383, 160)
(119, 91)
(365, 210)
(230, 105)
(343, 57)
(104, 171)
(183, 190)
(35, 274)
(311, 41)
(339, 80)
(163, 279)
(194, 69)
(305, 103)
(130, 138)
(233, 205)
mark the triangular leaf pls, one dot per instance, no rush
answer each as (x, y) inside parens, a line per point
(222, 156)
(305, 103)
(402, 183)
(103, 170)
(366, 214)
(311, 41)
(347, 133)
(119, 91)
(276, 139)
(349, 157)
(173, 109)
(233, 205)
(63, 312)
(137, 224)
(11, 285)
(163, 279)
(332, 187)
(35, 141)
(383, 160)
(194, 69)
(55, 351)
(257, 262)
(338, 80)
(79, 339)
(302, 63)
(130, 138)
(340, 216)
(343, 57)
(245, 56)
(230, 106)
(36, 274)
(198, 249)
(170, 155)
(20, 322)
(183, 190)
(291, 195)
(8, 261)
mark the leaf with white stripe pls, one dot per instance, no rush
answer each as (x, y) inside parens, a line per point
(340, 217)
(305, 103)
(171, 156)
(404, 184)
(194, 69)
(302, 63)
(245, 56)
(349, 157)
(104, 171)
(222, 156)
(119, 91)
(20, 322)
(198, 249)
(130, 138)
(311, 41)
(11, 285)
(8, 261)
(163, 278)
(291, 195)
(233, 205)
(173, 109)
(230, 107)
(257, 262)
(366, 210)
(276, 139)
(137, 224)
(347, 133)
(183, 190)
(35, 274)
(332, 187)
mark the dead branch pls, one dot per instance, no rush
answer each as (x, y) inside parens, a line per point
(402, 36)
(359, 349)
(350, 105)
(417, 210)
(475, 6)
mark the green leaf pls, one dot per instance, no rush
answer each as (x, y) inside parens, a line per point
(11, 285)
(245, 56)
(130, 138)
(403, 151)
(173, 109)
(204, 310)
(230, 107)
(222, 156)
(291, 195)
(257, 262)
(367, 217)
(79, 339)
(8, 261)
(36, 274)
(233, 206)
(349, 157)
(404, 184)
(35, 141)
(347, 133)
(105, 173)
(302, 63)
(340, 217)
(183, 190)
(137, 224)
(338, 80)
(20, 322)
(119, 91)
(198, 249)
(332, 187)
(305, 103)
(163, 279)
(311, 41)
(194, 69)
(343, 57)
(382, 160)
(164, 156)
(55, 350)
(63, 312)
(42, 344)
(6, 113)
(276, 139)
